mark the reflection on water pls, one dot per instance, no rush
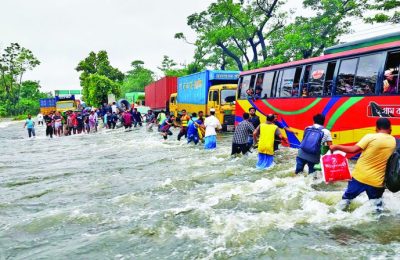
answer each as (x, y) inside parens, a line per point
(127, 195)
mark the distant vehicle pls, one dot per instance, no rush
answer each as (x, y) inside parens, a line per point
(66, 103)
(47, 105)
(352, 84)
(137, 98)
(157, 93)
(205, 90)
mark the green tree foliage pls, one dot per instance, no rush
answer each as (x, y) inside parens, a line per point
(385, 11)
(97, 87)
(96, 73)
(308, 36)
(18, 97)
(239, 29)
(169, 68)
(137, 78)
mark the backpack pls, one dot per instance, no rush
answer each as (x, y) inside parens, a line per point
(392, 174)
(312, 140)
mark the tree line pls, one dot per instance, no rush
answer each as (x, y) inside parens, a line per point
(18, 97)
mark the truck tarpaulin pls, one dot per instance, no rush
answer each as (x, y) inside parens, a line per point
(47, 102)
(193, 89)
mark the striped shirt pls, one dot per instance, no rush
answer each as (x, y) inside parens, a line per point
(242, 132)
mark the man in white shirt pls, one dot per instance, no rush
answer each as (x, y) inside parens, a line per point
(114, 108)
(40, 119)
(211, 123)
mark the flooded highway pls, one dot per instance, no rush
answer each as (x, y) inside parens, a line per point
(130, 195)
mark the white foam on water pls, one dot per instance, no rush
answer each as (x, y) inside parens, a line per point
(191, 233)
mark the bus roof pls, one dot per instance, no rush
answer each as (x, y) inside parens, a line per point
(386, 38)
(322, 58)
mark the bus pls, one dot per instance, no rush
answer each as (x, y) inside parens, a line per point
(352, 84)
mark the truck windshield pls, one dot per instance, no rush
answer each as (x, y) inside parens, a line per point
(227, 96)
(65, 105)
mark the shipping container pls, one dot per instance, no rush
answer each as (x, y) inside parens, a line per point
(47, 102)
(193, 89)
(157, 93)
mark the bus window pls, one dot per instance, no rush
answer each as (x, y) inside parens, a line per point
(391, 74)
(276, 84)
(239, 89)
(304, 87)
(258, 87)
(329, 78)
(248, 86)
(287, 83)
(316, 81)
(267, 84)
(296, 82)
(347, 71)
(367, 74)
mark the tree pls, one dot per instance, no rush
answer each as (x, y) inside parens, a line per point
(137, 78)
(238, 28)
(96, 69)
(308, 36)
(169, 68)
(97, 88)
(385, 11)
(14, 62)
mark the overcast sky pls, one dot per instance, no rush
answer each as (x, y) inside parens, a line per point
(63, 32)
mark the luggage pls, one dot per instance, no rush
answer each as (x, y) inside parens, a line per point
(335, 167)
(312, 140)
(392, 175)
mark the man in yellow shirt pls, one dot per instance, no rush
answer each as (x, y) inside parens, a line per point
(369, 172)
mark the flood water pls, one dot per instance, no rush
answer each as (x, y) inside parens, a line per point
(129, 195)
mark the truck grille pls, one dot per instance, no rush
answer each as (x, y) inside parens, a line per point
(229, 119)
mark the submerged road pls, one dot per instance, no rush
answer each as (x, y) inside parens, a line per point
(129, 195)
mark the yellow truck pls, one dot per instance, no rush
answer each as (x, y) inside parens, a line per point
(205, 90)
(66, 103)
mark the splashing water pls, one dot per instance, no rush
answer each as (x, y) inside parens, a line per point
(126, 195)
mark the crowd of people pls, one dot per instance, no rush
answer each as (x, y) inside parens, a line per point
(249, 134)
(369, 172)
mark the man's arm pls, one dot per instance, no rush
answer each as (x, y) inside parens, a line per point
(256, 133)
(287, 129)
(346, 149)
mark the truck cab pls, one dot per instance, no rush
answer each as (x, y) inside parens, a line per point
(222, 99)
(173, 106)
(65, 103)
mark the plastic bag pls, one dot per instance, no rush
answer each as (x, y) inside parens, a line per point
(335, 167)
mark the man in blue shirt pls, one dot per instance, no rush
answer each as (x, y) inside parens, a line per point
(30, 125)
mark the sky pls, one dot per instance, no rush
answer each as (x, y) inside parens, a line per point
(62, 32)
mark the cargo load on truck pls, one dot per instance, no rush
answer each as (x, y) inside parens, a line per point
(47, 105)
(205, 90)
(157, 94)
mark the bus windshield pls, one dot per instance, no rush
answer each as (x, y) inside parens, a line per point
(227, 95)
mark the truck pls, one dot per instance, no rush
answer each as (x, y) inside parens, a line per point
(205, 90)
(157, 94)
(47, 105)
(66, 103)
(135, 98)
